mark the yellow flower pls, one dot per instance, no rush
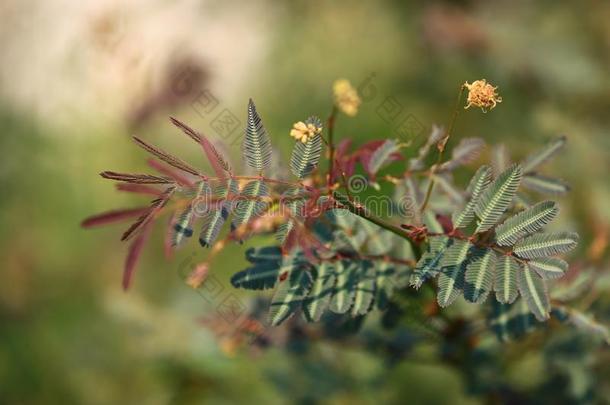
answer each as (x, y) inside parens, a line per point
(346, 97)
(304, 131)
(482, 94)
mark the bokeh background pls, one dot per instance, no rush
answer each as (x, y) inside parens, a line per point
(77, 78)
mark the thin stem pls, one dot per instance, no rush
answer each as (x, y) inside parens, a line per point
(363, 212)
(441, 149)
(331, 147)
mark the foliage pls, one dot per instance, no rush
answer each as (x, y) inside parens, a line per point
(338, 256)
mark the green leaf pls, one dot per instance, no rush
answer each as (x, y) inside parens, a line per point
(476, 187)
(538, 158)
(305, 156)
(533, 289)
(365, 290)
(345, 286)
(256, 146)
(545, 185)
(465, 152)
(293, 201)
(451, 277)
(549, 267)
(382, 154)
(546, 244)
(506, 279)
(385, 283)
(290, 293)
(511, 320)
(261, 276)
(321, 292)
(429, 264)
(497, 197)
(479, 277)
(251, 203)
(526, 222)
(183, 226)
(216, 217)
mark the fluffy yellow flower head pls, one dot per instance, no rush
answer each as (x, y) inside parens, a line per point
(346, 97)
(482, 94)
(303, 132)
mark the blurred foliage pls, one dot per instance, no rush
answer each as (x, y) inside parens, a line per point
(70, 335)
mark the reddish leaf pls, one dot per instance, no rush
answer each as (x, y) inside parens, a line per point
(138, 189)
(219, 165)
(135, 250)
(110, 217)
(169, 172)
(136, 178)
(146, 217)
(166, 157)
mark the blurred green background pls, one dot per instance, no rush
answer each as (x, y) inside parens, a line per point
(77, 78)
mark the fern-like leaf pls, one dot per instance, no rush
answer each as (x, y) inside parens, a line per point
(305, 156)
(429, 264)
(321, 292)
(256, 146)
(505, 284)
(476, 187)
(479, 277)
(538, 158)
(526, 222)
(465, 152)
(497, 197)
(451, 277)
(216, 217)
(251, 202)
(183, 227)
(549, 267)
(533, 289)
(546, 244)
(545, 185)
(365, 290)
(382, 155)
(343, 296)
(290, 293)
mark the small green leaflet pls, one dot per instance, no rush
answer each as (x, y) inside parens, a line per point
(506, 279)
(479, 277)
(320, 294)
(497, 197)
(476, 187)
(549, 267)
(256, 145)
(526, 222)
(290, 293)
(534, 292)
(305, 156)
(546, 244)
